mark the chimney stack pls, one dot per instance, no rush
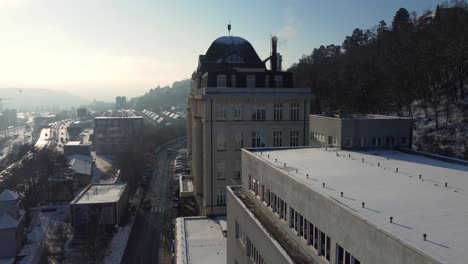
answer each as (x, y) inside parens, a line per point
(274, 54)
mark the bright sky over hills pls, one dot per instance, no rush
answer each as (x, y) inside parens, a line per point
(103, 48)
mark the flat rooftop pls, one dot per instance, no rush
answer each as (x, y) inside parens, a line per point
(118, 117)
(361, 116)
(200, 240)
(76, 143)
(100, 193)
(418, 206)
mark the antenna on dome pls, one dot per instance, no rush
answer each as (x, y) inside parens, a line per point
(229, 28)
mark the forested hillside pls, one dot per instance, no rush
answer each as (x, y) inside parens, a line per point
(159, 97)
(414, 66)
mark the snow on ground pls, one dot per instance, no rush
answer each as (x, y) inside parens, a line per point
(448, 140)
(118, 244)
(119, 240)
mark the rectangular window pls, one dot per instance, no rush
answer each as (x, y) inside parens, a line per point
(363, 142)
(348, 142)
(239, 141)
(220, 169)
(221, 142)
(310, 240)
(339, 254)
(403, 141)
(278, 112)
(374, 142)
(344, 257)
(277, 138)
(379, 141)
(221, 198)
(278, 81)
(295, 111)
(294, 139)
(257, 140)
(221, 112)
(301, 225)
(233, 80)
(259, 113)
(250, 81)
(237, 230)
(237, 113)
(322, 244)
(221, 81)
(291, 217)
(392, 141)
(267, 81)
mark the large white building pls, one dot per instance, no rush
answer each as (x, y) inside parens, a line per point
(318, 205)
(200, 240)
(236, 102)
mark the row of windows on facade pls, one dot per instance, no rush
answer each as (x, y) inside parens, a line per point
(221, 81)
(249, 248)
(311, 234)
(362, 142)
(221, 170)
(259, 113)
(257, 140)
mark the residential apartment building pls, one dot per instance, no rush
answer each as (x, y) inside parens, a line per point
(317, 205)
(236, 102)
(12, 226)
(112, 134)
(360, 131)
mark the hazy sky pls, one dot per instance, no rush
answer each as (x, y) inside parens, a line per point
(103, 48)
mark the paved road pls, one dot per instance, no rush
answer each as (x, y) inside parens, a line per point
(143, 245)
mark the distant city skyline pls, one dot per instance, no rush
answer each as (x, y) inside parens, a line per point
(101, 49)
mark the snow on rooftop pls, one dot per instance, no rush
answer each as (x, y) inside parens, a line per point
(8, 195)
(200, 240)
(81, 164)
(418, 206)
(100, 193)
(74, 143)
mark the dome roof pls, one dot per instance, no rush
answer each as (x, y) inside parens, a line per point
(231, 50)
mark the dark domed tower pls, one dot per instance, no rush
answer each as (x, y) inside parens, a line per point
(237, 102)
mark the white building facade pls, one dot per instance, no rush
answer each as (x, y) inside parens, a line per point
(313, 205)
(237, 103)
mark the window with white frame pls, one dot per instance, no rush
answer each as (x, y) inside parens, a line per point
(257, 139)
(294, 111)
(277, 139)
(250, 81)
(294, 138)
(220, 169)
(278, 112)
(221, 112)
(259, 113)
(220, 141)
(278, 81)
(221, 80)
(221, 197)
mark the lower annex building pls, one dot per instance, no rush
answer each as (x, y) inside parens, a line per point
(322, 205)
